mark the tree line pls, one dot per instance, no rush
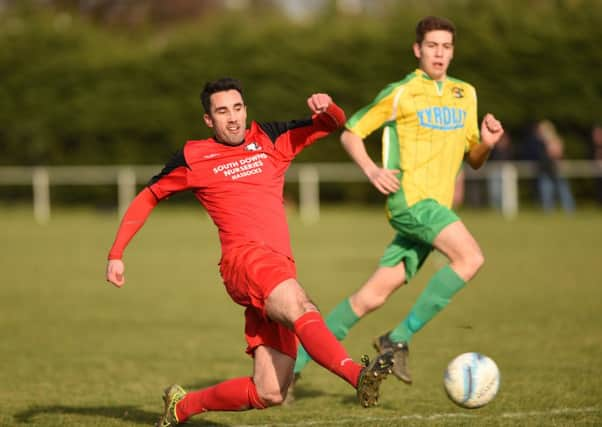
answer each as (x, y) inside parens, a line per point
(76, 92)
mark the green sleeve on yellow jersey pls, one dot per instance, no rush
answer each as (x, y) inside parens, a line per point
(374, 115)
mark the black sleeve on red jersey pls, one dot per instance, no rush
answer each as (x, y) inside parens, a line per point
(176, 161)
(275, 129)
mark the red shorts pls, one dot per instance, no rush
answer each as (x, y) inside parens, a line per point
(250, 273)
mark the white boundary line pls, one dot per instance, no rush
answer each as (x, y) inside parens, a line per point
(432, 417)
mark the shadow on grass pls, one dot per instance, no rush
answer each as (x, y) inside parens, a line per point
(127, 414)
(352, 401)
(304, 392)
(133, 415)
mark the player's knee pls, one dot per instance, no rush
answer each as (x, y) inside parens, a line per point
(272, 396)
(478, 260)
(307, 306)
(302, 303)
(295, 311)
(481, 260)
(474, 262)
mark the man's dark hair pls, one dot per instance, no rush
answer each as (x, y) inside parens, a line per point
(434, 23)
(219, 85)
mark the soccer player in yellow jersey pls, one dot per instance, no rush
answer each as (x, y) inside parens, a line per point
(429, 123)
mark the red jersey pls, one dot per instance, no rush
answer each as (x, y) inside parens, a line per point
(241, 186)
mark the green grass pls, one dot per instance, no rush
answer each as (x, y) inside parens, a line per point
(75, 351)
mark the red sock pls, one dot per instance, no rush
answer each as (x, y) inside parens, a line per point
(324, 348)
(238, 394)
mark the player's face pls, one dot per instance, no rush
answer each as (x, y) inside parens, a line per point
(228, 117)
(435, 53)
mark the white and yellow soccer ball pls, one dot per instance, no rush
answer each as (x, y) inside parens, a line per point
(472, 380)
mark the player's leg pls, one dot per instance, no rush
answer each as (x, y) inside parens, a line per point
(462, 250)
(425, 225)
(289, 305)
(465, 257)
(409, 255)
(272, 375)
(372, 295)
(273, 348)
(237, 394)
(264, 281)
(377, 290)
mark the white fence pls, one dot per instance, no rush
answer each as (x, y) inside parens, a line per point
(307, 175)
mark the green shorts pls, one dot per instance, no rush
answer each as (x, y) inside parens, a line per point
(416, 227)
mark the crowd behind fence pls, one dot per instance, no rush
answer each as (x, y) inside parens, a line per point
(308, 176)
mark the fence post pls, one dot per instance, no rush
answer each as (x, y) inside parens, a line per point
(309, 194)
(509, 190)
(41, 195)
(126, 188)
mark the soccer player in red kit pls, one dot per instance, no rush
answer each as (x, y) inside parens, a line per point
(238, 176)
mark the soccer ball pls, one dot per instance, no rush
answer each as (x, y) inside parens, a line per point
(471, 380)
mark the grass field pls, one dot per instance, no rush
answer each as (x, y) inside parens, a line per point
(78, 352)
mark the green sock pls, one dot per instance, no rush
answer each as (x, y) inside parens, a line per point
(437, 294)
(339, 321)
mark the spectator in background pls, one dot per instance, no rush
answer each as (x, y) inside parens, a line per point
(551, 184)
(597, 156)
(502, 152)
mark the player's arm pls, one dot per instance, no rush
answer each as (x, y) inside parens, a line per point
(385, 180)
(292, 136)
(325, 112)
(491, 132)
(172, 179)
(326, 118)
(363, 123)
(133, 220)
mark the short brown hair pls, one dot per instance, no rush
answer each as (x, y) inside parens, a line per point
(433, 23)
(219, 85)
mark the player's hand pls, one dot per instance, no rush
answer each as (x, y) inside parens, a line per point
(319, 102)
(385, 180)
(491, 130)
(115, 270)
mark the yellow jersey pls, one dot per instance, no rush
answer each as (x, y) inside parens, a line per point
(427, 126)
